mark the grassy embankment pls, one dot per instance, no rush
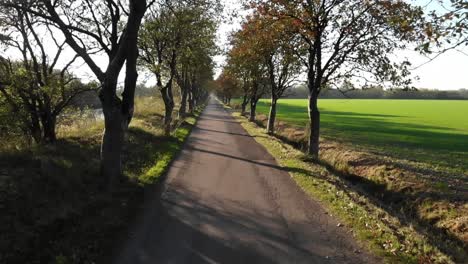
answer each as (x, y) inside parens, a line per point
(390, 153)
(52, 208)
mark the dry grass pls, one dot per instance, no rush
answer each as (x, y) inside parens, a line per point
(432, 201)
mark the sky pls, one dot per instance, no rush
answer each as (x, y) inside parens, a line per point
(448, 72)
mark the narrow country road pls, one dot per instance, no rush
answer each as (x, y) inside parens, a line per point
(225, 200)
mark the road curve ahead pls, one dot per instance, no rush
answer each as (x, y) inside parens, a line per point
(226, 200)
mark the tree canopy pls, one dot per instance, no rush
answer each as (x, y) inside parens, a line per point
(335, 42)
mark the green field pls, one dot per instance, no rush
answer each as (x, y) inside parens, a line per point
(432, 131)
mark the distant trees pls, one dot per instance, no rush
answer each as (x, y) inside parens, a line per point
(235, 68)
(273, 48)
(226, 87)
(195, 67)
(345, 40)
(248, 64)
(378, 92)
(175, 43)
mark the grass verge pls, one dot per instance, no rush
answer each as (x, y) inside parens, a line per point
(383, 233)
(53, 210)
(428, 131)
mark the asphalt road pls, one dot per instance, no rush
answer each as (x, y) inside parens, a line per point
(225, 200)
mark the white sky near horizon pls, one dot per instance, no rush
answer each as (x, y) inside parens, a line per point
(447, 72)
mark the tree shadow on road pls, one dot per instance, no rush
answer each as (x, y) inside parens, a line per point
(181, 227)
(396, 203)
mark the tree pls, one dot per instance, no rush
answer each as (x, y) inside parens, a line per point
(104, 26)
(195, 65)
(447, 29)
(235, 67)
(201, 77)
(227, 87)
(35, 89)
(160, 41)
(174, 44)
(246, 61)
(276, 45)
(346, 40)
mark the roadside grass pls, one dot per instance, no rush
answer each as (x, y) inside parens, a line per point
(423, 193)
(431, 131)
(53, 210)
(382, 232)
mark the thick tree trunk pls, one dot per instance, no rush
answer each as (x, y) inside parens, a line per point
(118, 113)
(112, 141)
(183, 103)
(111, 148)
(314, 133)
(272, 117)
(253, 110)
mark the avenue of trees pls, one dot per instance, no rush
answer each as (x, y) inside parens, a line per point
(335, 44)
(174, 40)
(176, 45)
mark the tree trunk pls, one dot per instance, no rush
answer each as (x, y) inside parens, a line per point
(245, 101)
(314, 78)
(190, 101)
(112, 141)
(168, 119)
(118, 113)
(48, 125)
(272, 117)
(169, 108)
(183, 103)
(253, 109)
(195, 94)
(35, 128)
(314, 133)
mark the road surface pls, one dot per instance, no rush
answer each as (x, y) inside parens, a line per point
(225, 200)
